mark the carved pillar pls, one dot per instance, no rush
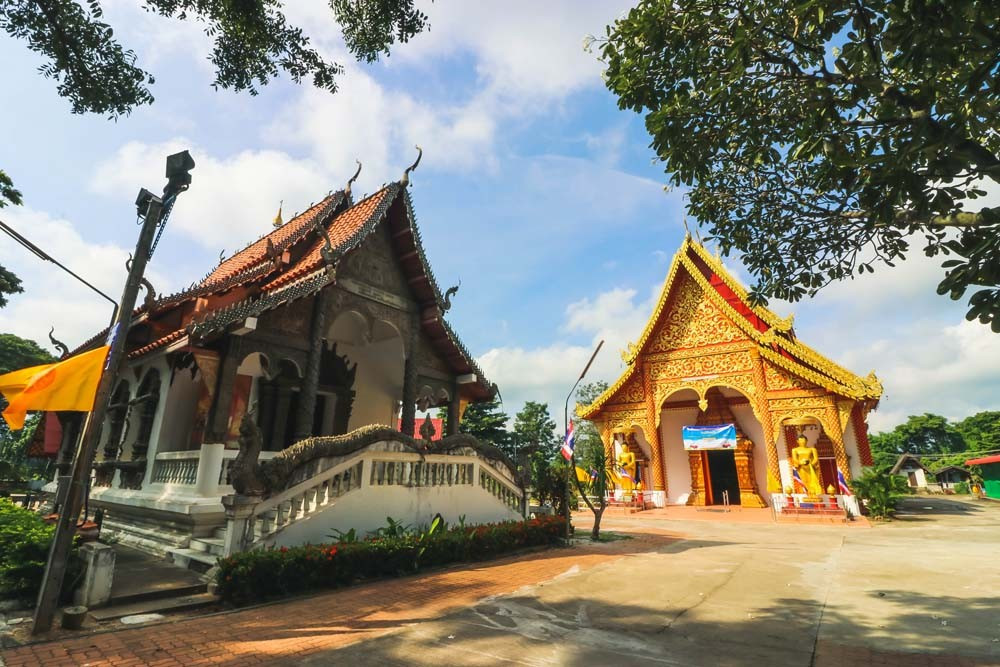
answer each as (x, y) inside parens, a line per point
(409, 412)
(861, 435)
(761, 409)
(454, 419)
(307, 392)
(697, 462)
(218, 419)
(831, 424)
(749, 497)
(656, 458)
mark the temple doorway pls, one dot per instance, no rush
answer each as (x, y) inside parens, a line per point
(720, 470)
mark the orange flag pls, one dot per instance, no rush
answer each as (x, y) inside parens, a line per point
(67, 385)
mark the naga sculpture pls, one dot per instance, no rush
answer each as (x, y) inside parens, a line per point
(244, 475)
(452, 291)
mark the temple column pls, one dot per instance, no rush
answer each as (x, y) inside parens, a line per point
(218, 420)
(763, 412)
(305, 414)
(453, 411)
(656, 457)
(833, 429)
(408, 415)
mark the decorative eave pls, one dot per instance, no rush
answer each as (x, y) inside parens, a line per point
(806, 363)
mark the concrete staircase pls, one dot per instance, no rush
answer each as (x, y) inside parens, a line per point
(201, 553)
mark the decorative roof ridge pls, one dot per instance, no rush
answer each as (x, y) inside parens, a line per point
(328, 207)
(419, 246)
(846, 382)
(453, 335)
(828, 374)
(782, 324)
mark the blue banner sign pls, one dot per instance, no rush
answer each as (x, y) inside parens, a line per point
(721, 436)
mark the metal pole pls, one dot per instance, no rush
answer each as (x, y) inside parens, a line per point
(570, 469)
(62, 541)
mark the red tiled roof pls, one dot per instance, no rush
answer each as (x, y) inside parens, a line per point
(158, 343)
(983, 460)
(256, 252)
(344, 226)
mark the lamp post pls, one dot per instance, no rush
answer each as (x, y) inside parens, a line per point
(155, 211)
(572, 461)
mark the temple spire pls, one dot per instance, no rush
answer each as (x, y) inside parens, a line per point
(278, 222)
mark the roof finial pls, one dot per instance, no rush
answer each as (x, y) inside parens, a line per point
(278, 222)
(347, 190)
(406, 174)
(63, 350)
(687, 230)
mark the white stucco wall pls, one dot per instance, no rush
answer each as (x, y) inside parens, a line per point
(674, 456)
(366, 509)
(178, 417)
(378, 383)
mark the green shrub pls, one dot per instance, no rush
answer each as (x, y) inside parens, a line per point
(880, 491)
(257, 575)
(24, 548)
(962, 487)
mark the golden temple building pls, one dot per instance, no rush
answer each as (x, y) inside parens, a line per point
(706, 358)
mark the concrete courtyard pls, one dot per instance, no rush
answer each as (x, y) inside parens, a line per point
(918, 591)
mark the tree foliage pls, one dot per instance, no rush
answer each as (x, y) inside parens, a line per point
(253, 43)
(17, 353)
(938, 440)
(488, 423)
(880, 491)
(820, 139)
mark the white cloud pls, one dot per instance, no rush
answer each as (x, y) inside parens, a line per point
(51, 297)
(523, 50)
(380, 127)
(232, 200)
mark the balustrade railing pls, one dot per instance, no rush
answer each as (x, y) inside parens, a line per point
(500, 489)
(259, 522)
(176, 470)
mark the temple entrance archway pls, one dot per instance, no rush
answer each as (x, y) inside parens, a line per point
(703, 477)
(373, 353)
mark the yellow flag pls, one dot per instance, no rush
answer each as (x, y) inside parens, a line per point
(67, 385)
(582, 475)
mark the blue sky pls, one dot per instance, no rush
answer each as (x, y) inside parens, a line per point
(535, 191)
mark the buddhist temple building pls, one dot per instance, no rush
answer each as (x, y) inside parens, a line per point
(292, 374)
(708, 358)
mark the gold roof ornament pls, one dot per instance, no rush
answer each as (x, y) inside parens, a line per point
(278, 222)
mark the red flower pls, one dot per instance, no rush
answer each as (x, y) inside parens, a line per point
(283, 550)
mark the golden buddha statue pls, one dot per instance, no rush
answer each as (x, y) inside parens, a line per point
(626, 461)
(805, 460)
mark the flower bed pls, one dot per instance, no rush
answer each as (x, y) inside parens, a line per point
(261, 574)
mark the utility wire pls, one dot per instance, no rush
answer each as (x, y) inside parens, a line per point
(41, 254)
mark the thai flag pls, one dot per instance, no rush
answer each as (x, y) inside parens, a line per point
(842, 484)
(800, 486)
(569, 443)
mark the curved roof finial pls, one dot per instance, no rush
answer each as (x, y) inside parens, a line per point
(347, 190)
(406, 174)
(58, 344)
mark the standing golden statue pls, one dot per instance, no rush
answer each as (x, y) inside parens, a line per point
(805, 460)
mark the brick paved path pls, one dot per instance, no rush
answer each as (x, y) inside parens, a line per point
(299, 628)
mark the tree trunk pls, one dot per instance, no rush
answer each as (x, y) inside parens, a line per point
(595, 534)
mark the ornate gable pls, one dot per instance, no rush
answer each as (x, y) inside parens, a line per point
(691, 320)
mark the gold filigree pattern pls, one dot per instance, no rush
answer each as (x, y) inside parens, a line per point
(693, 321)
(781, 379)
(763, 413)
(730, 362)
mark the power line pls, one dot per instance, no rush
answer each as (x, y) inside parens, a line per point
(41, 254)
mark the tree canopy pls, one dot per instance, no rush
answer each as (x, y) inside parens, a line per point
(486, 422)
(820, 139)
(17, 353)
(253, 43)
(938, 440)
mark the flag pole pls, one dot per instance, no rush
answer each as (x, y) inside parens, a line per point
(572, 461)
(155, 210)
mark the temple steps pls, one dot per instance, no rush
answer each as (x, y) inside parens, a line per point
(193, 559)
(156, 605)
